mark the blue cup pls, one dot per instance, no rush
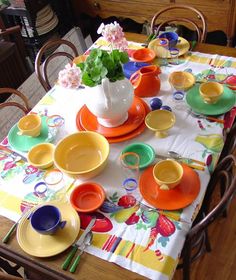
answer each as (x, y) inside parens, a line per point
(172, 37)
(46, 220)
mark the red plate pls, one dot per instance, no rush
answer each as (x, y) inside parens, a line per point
(136, 117)
(125, 137)
(177, 198)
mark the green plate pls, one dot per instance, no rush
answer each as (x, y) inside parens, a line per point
(223, 105)
(24, 143)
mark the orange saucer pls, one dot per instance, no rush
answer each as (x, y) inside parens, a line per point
(177, 198)
(135, 118)
(124, 137)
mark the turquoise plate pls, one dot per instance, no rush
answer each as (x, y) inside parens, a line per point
(24, 143)
(223, 105)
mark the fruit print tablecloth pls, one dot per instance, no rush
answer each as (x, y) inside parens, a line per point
(129, 232)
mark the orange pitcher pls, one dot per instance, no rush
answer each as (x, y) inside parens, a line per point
(146, 82)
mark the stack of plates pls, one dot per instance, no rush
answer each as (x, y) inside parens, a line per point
(131, 128)
(46, 21)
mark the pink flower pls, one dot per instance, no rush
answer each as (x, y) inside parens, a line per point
(70, 76)
(114, 34)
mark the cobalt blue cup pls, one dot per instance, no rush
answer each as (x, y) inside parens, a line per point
(172, 37)
(46, 220)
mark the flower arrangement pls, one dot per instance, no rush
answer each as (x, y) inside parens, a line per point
(99, 64)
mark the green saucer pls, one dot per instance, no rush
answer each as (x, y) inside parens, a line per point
(24, 143)
(223, 105)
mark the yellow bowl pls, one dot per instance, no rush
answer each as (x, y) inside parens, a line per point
(41, 155)
(211, 92)
(181, 80)
(160, 121)
(30, 125)
(168, 174)
(82, 155)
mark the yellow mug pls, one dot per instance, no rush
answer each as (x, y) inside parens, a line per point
(168, 173)
(30, 125)
(211, 92)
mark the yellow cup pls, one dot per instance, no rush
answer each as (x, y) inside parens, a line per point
(30, 125)
(168, 174)
(211, 92)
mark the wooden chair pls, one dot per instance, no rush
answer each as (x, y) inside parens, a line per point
(186, 14)
(8, 271)
(24, 107)
(42, 70)
(197, 241)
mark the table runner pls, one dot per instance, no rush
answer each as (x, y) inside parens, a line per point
(130, 237)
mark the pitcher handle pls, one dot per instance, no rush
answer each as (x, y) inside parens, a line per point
(135, 79)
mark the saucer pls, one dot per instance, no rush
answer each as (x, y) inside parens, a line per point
(39, 245)
(124, 137)
(179, 197)
(223, 105)
(182, 45)
(24, 143)
(135, 118)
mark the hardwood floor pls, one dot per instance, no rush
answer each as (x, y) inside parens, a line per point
(220, 263)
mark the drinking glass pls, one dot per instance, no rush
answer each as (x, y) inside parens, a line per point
(174, 56)
(54, 122)
(130, 162)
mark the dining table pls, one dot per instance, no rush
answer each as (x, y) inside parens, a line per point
(139, 241)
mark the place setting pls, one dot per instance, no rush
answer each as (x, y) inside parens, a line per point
(34, 129)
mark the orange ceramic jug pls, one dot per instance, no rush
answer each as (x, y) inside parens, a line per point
(146, 82)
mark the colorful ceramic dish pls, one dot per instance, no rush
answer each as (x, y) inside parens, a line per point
(41, 155)
(146, 153)
(136, 117)
(223, 105)
(82, 154)
(38, 245)
(23, 142)
(121, 138)
(179, 197)
(181, 80)
(160, 121)
(143, 55)
(182, 45)
(87, 197)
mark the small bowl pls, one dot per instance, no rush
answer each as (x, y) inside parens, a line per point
(146, 153)
(168, 174)
(87, 197)
(211, 92)
(41, 155)
(160, 121)
(144, 55)
(181, 80)
(82, 154)
(172, 38)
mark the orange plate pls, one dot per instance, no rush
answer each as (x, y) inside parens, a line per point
(125, 137)
(136, 117)
(177, 198)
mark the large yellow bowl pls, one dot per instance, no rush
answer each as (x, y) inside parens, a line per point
(181, 80)
(82, 155)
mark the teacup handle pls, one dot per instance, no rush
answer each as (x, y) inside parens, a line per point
(164, 187)
(62, 224)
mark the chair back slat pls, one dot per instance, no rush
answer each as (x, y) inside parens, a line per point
(41, 69)
(165, 16)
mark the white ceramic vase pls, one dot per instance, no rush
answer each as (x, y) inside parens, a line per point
(110, 101)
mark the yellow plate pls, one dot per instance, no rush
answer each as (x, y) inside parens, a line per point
(183, 46)
(39, 245)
